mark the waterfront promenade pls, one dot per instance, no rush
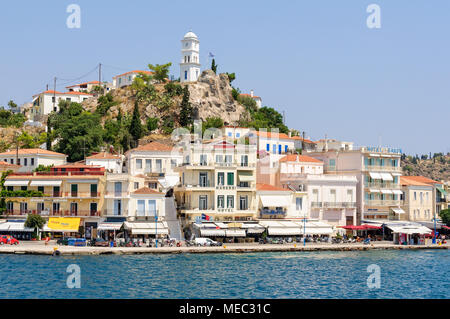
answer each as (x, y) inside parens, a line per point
(39, 248)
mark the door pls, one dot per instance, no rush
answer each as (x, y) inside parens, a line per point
(141, 207)
(56, 207)
(73, 209)
(203, 202)
(152, 207)
(243, 202)
(118, 189)
(203, 179)
(93, 209)
(117, 207)
(74, 190)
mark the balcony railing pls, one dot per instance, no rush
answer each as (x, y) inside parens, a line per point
(383, 185)
(81, 213)
(387, 202)
(383, 168)
(231, 187)
(271, 212)
(339, 204)
(82, 194)
(18, 212)
(316, 204)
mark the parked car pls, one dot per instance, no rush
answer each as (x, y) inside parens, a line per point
(9, 240)
(206, 242)
(100, 242)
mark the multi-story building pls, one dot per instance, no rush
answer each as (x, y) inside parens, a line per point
(217, 180)
(4, 167)
(331, 197)
(234, 132)
(377, 170)
(85, 87)
(417, 200)
(157, 162)
(48, 101)
(67, 191)
(113, 163)
(257, 99)
(30, 158)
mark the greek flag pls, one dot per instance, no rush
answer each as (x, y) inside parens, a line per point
(211, 55)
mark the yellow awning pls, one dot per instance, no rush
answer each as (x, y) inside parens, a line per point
(235, 225)
(64, 224)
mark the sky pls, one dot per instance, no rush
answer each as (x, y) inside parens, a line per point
(316, 61)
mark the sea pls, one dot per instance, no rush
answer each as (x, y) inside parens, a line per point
(300, 275)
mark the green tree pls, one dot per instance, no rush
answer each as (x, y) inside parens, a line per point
(152, 124)
(104, 103)
(445, 216)
(43, 168)
(211, 122)
(136, 129)
(36, 222)
(27, 140)
(160, 71)
(268, 118)
(173, 89)
(12, 105)
(231, 77)
(186, 110)
(214, 66)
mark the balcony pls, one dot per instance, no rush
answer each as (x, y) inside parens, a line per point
(383, 185)
(225, 187)
(383, 168)
(272, 213)
(117, 194)
(80, 213)
(82, 194)
(379, 202)
(316, 204)
(18, 212)
(339, 204)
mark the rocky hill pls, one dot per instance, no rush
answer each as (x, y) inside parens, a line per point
(210, 96)
(437, 168)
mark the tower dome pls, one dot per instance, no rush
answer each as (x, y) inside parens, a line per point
(190, 34)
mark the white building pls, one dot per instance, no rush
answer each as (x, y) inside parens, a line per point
(190, 58)
(234, 132)
(111, 162)
(85, 87)
(127, 78)
(31, 158)
(377, 170)
(48, 101)
(156, 161)
(332, 144)
(257, 99)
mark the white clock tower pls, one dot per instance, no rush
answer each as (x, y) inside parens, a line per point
(190, 58)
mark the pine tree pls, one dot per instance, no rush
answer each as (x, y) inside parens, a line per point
(214, 66)
(136, 129)
(186, 109)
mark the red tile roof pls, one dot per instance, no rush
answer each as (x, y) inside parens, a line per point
(272, 135)
(267, 187)
(135, 71)
(91, 82)
(103, 155)
(2, 163)
(299, 158)
(147, 191)
(32, 151)
(254, 96)
(405, 181)
(153, 146)
(420, 179)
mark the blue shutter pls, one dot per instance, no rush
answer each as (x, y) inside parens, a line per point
(268, 147)
(285, 148)
(279, 149)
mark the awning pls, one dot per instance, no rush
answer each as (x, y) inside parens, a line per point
(235, 232)
(169, 181)
(386, 191)
(245, 178)
(274, 200)
(255, 230)
(398, 210)
(16, 183)
(140, 228)
(109, 226)
(212, 232)
(45, 183)
(78, 181)
(62, 224)
(318, 231)
(375, 175)
(409, 229)
(397, 192)
(15, 227)
(443, 192)
(372, 190)
(284, 231)
(221, 225)
(386, 177)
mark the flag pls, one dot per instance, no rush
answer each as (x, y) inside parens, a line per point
(211, 55)
(205, 217)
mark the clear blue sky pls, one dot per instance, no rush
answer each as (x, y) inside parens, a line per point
(315, 60)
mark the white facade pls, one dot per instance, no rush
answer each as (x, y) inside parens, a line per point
(119, 188)
(234, 132)
(30, 159)
(190, 58)
(86, 86)
(111, 163)
(127, 78)
(47, 102)
(332, 144)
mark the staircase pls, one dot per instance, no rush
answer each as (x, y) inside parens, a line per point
(172, 220)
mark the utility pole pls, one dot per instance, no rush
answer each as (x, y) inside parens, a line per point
(100, 74)
(54, 94)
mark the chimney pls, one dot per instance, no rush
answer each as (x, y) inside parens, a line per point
(290, 134)
(251, 93)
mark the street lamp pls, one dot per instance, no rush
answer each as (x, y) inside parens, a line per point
(156, 228)
(304, 230)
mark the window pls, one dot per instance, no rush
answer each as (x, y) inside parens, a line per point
(230, 179)
(203, 202)
(285, 148)
(18, 161)
(173, 163)
(56, 191)
(268, 147)
(274, 148)
(53, 99)
(159, 166)
(93, 209)
(117, 207)
(185, 75)
(138, 164)
(68, 99)
(203, 160)
(298, 203)
(243, 202)
(238, 134)
(148, 165)
(129, 78)
(333, 195)
(219, 158)
(23, 188)
(141, 207)
(279, 149)
(151, 207)
(94, 190)
(41, 189)
(40, 207)
(152, 185)
(332, 163)
(203, 179)
(228, 159)
(415, 196)
(421, 197)
(230, 134)
(25, 162)
(220, 201)
(74, 190)
(230, 201)
(10, 188)
(221, 178)
(11, 161)
(244, 160)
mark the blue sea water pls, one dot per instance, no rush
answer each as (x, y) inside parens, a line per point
(404, 274)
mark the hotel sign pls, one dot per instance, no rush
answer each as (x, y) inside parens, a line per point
(376, 149)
